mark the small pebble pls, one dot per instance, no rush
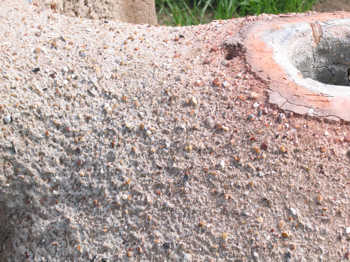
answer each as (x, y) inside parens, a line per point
(188, 148)
(64, 70)
(225, 63)
(198, 83)
(253, 95)
(206, 61)
(166, 144)
(310, 112)
(288, 255)
(209, 122)
(7, 119)
(107, 109)
(250, 166)
(347, 139)
(166, 245)
(201, 224)
(292, 247)
(216, 82)
(285, 235)
(348, 154)
(293, 211)
(281, 224)
(82, 54)
(221, 164)
(255, 256)
(185, 178)
(283, 149)
(187, 257)
(256, 150)
(263, 146)
(221, 127)
(148, 132)
(225, 84)
(174, 257)
(192, 101)
(319, 199)
(36, 70)
(110, 156)
(251, 117)
(261, 174)
(180, 128)
(281, 117)
(323, 149)
(178, 78)
(347, 230)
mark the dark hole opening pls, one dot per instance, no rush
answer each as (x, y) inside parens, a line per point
(329, 62)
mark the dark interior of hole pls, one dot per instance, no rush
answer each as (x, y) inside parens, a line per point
(229, 56)
(329, 63)
(233, 48)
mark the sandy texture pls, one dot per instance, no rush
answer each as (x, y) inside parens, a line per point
(139, 143)
(130, 11)
(331, 5)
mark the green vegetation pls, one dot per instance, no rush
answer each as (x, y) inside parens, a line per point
(193, 12)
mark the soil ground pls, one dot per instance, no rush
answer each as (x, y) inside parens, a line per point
(332, 5)
(135, 143)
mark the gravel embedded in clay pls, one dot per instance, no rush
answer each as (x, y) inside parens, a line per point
(120, 147)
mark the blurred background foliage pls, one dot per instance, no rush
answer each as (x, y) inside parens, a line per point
(193, 12)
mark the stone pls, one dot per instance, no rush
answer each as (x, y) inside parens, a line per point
(347, 230)
(187, 257)
(136, 11)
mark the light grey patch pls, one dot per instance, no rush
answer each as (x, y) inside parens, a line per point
(7, 119)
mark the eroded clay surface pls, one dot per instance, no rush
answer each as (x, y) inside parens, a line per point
(123, 142)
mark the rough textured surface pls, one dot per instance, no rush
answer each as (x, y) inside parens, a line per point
(130, 11)
(331, 5)
(127, 142)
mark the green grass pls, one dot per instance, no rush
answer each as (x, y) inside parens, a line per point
(193, 12)
(174, 12)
